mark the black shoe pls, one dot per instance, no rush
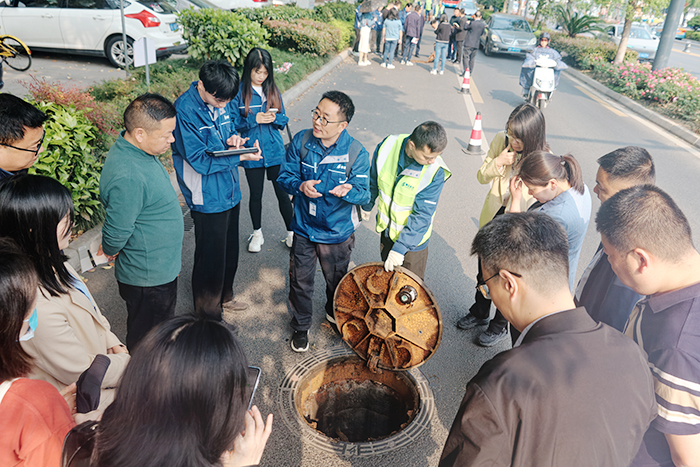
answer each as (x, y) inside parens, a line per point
(470, 321)
(300, 341)
(489, 338)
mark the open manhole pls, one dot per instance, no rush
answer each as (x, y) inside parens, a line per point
(375, 401)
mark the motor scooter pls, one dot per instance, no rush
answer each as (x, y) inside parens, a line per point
(543, 83)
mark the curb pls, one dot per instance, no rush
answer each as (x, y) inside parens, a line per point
(668, 125)
(94, 235)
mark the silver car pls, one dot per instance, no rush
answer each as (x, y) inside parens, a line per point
(641, 40)
(509, 34)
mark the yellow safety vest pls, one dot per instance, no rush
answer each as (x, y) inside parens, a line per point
(395, 200)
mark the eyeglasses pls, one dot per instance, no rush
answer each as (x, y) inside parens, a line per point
(35, 151)
(484, 289)
(512, 137)
(317, 116)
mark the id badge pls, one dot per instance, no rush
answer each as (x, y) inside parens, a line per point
(312, 209)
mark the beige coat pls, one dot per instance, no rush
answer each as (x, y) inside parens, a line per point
(499, 195)
(70, 333)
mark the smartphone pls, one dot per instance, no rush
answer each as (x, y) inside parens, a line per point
(507, 142)
(231, 152)
(274, 111)
(253, 379)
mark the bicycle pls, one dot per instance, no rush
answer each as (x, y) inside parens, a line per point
(15, 53)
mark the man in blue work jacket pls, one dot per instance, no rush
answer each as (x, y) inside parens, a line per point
(407, 177)
(327, 184)
(206, 122)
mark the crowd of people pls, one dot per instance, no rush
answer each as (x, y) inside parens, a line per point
(605, 372)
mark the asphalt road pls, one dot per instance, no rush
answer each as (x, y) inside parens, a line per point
(391, 102)
(689, 61)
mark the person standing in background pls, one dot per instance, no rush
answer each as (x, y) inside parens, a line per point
(474, 30)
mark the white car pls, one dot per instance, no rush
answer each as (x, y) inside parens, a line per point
(641, 40)
(92, 27)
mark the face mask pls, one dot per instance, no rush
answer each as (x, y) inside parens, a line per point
(33, 322)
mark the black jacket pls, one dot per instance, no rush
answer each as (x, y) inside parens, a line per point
(461, 31)
(474, 31)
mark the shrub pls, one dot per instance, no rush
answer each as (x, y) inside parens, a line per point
(281, 13)
(69, 141)
(574, 23)
(486, 14)
(105, 116)
(339, 10)
(580, 51)
(694, 23)
(693, 35)
(216, 34)
(347, 33)
(304, 36)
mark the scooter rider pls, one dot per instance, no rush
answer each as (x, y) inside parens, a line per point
(527, 72)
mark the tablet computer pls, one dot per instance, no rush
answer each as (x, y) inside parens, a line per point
(231, 152)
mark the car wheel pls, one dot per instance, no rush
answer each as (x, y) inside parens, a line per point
(487, 48)
(114, 50)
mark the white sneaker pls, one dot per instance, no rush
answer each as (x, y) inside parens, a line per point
(390, 67)
(409, 63)
(290, 239)
(403, 62)
(433, 72)
(256, 241)
(442, 72)
(383, 65)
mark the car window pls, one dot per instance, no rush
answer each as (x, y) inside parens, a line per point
(639, 33)
(514, 24)
(91, 4)
(37, 4)
(159, 7)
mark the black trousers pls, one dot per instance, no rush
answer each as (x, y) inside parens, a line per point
(414, 261)
(373, 40)
(469, 58)
(146, 307)
(256, 183)
(334, 260)
(458, 49)
(357, 40)
(215, 260)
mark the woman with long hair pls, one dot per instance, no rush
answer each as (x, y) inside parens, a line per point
(34, 418)
(524, 134)
(262, 117)
(556, 182)
(182, 403)
(37, 213)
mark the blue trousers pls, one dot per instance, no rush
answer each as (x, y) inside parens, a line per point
(407, 48)
(440, 54)
(389, 50)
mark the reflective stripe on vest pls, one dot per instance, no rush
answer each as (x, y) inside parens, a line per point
(396, 198)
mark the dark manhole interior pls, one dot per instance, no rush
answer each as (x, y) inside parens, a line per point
(347, 402)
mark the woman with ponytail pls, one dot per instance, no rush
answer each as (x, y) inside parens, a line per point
(556, 182)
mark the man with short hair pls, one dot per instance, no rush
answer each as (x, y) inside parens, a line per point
(650, 247)
(407, 177)
(21, 135)
(327, 172)
(460, 33)
(143, 222)
(413, 28)
(206, 122)
(474, 29)
(571, 392)
(602, 294)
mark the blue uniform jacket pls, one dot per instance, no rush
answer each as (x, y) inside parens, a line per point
(423, 206)
(267, 134)
(209, 184)
(328, 219)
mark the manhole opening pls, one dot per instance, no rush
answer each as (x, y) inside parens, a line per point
(346, 402)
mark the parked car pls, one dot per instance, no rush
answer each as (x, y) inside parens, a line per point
(469, 7)
(641, 39)
(92, 27)
(658, 29)
(509, 34)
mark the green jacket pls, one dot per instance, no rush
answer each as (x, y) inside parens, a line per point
(143, 220)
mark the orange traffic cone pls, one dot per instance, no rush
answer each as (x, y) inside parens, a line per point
(474, 148)
(465, 82)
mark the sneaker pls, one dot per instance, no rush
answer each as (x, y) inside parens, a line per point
(433, 72)
(390, 67)
(383, 65)
(442, 72)
(300, 341)
(234, 305)
(409, 63)
(403, 62)
(490, 338)
(368, 62)
(470, 321)
(289, 241)
(256, 241)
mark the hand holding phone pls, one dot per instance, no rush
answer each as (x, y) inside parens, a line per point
(273, 110)
(253, 379)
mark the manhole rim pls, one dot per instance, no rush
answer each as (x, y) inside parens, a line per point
(287, 406)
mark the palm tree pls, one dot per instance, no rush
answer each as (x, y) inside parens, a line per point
(574, 23)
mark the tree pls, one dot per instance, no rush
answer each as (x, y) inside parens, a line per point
(574, 23)
(634, 8)
(694, 23)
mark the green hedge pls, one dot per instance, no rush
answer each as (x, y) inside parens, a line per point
(214, 34)
(339, 10)
(305, 36)
(581, 51)
(693, 35)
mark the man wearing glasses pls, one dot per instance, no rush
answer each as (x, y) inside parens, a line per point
(327, 172)
(571, 391)
(21, 135)
(407, 177)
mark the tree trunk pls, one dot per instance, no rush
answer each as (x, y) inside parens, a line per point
(622, 48)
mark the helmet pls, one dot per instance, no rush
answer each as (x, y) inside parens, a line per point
(545, 35)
